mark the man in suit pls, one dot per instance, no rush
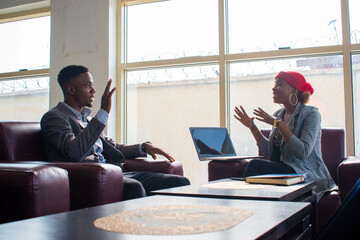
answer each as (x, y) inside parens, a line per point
(70, 134)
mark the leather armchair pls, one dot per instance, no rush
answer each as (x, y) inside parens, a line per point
(345, 173)
(32, 190)
(91, 184)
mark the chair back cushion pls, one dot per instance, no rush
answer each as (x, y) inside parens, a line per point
(332, 148)
(21, 141)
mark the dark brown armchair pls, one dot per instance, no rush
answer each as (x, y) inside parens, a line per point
(91, 184)
(333, 150)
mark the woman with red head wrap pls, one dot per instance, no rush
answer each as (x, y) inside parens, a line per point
(294, 143)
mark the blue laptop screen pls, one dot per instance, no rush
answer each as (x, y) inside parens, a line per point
(212, 142)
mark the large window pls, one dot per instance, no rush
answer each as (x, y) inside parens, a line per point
(24, 68)
(188, 63)
(251, 86)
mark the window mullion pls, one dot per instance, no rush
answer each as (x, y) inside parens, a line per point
(349, 111)
(222, 66)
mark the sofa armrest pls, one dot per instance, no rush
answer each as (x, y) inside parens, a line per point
(91, 184)
(150, 165)
(326, 208)
(32, 190)
(225, 169)
(348, 174)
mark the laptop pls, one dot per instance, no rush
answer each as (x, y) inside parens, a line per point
(214, 143)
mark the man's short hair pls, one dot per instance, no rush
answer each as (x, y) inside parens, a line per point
(69, 72)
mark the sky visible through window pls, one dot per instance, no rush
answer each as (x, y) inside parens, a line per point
(261, 25)
(172, 29)
(25, 45)
(354, 6)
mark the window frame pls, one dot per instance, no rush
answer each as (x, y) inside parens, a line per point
(346, 49)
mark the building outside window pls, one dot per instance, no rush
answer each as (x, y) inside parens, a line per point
(187, 63)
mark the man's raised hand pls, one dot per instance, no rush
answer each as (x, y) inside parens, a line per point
(106, 97)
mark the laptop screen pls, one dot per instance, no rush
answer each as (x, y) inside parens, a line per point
(212, 142)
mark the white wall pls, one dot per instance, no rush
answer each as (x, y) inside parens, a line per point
(82, 32)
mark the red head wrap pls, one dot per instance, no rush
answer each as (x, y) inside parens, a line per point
(296, 80)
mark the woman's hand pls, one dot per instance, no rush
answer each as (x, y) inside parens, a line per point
(241, 115)
(263, 116)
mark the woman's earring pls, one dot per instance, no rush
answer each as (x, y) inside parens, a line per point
(296, 99)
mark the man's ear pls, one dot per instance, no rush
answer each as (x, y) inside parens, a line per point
(70, 89)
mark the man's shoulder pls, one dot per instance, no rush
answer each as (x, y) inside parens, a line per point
(59, 111)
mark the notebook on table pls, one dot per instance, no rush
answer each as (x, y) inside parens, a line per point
(278, 179)
(214, 143)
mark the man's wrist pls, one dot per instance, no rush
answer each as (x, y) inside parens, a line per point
(143, 146)
(102, 116)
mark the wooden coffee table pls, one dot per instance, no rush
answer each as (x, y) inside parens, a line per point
(302, 192)
(269, 220)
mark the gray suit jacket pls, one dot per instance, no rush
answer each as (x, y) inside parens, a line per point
(303, 151)
(67, 139)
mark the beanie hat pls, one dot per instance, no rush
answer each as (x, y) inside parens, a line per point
(296, 80)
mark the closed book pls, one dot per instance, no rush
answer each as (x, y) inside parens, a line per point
(277, 179)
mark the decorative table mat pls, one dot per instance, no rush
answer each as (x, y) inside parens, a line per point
(235, 185)
(173, 219)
